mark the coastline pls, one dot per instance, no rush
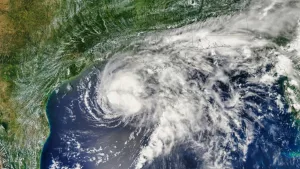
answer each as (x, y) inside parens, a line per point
(62, 88)
(20, 27)
(42, 94)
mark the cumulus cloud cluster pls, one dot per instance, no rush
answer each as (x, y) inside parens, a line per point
(180, 83)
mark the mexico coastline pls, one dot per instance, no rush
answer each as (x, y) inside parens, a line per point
(213, 94)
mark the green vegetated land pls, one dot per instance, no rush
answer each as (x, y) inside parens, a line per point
(50, 41)
(19, 135)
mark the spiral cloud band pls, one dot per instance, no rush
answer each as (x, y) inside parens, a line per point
(193, 85)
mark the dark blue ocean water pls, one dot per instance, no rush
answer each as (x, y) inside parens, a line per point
(77, 139)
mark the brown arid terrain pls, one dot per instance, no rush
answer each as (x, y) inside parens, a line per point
(5, 30)
(20, 20)
(6, 27)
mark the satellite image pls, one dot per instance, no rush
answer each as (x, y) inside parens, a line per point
(149, 84)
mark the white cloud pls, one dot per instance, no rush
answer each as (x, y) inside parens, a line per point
(154, 84)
